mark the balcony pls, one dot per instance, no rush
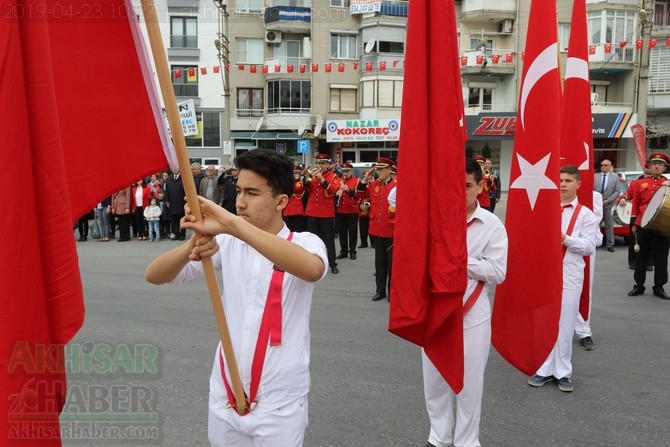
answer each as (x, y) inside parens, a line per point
(394, 8)
(288, 18)
(611, 58)
(393, 62)
(490, 62)
(484, 10)
(290, 65)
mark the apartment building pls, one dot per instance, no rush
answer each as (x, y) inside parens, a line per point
(309, 76)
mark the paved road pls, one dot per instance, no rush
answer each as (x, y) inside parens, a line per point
(366, 383)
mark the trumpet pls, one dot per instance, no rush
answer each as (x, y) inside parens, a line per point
(310, 172)
(487, 172)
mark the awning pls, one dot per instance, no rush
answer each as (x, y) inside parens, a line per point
(265, 136)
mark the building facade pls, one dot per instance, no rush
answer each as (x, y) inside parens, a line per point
(309, 76)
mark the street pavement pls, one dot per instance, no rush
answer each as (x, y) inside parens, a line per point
(366, 383)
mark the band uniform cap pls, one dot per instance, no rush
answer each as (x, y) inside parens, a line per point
(383, 162)
(234, 167)
(480, 159)
(657, 156)
(296, 168)
(323, 158)
(346, 166)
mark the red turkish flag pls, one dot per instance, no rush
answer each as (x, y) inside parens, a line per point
(527, 307)
(302, 68)
(464, 61)
(592, 49)
(315, 68)
(576, 124)
(240, 67)
(329, 68)
(430, 258)
(652, 43)
(608, 48)
(382, 65)
(667, 41)
(289, 68)
(395, 63)
(355, 65)
(177, 74)
(253, 69)
(227, 68)
(203, 70)
(216, 69)
(623, 44)
(509, 58)
(480, 59)
(340, 67)
(277, 68)
(191, 72)
(495, 58)
(264, 69)
(57, 134)
(639, 44)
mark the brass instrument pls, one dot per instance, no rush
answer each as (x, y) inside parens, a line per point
(487, 172)
(364, 206)
(309, 173)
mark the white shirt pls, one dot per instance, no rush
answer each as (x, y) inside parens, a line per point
(246, 280)
(487, 261)
(580, 243)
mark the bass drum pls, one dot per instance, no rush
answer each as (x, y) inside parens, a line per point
(621, 213)
(657, 215)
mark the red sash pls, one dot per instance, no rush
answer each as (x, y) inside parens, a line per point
(470, 301)
(571, 225)
(270, 331)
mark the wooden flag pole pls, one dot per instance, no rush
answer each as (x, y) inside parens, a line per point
(170, 101)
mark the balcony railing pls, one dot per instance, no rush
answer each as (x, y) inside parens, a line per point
(473, 8)
(394, 61)
(288, 13)
(394, 8)
(492, 58)
(599, 53)
(249, 113)
(284, 62)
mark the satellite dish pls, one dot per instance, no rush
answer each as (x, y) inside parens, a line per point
(370, 45)
(301, 129)
(318, 125)
(259, 124)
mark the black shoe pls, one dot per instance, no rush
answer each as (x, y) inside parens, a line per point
(610, 249)
(334, 270)
(363, 246)
(659, 292)
(81, 239)
(352, 256)
(586, 343)
(341, 256)
(637, 290)
(378, 296)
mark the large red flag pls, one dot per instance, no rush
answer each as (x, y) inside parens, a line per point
(430, 253)
(77, 131)
(576, 124)
(527, 305)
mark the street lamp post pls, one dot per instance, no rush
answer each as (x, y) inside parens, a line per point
(642, 87)
(223, 53)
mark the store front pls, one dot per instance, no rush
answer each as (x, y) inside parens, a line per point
(363, 140)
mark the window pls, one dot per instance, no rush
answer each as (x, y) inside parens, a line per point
(339, 3)
(249, 102)
(249, 5)
(185, 80)
(289, 96)
(563, 36)
(391, 47)
(613, 26)
(658, 143)
(342, 46)
(659, 70)
(183, 32)
(343, 99)
(288, 52)
(662, 13)
(480, 97)
(485, 45)
(381, 93)
(209, 125)
(249, 51)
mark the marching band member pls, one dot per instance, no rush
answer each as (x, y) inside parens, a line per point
(294, 213)
(347, 212)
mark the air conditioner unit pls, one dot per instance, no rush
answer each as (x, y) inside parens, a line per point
(505, 26)
(272, 37)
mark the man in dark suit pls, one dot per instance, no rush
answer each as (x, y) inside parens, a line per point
(607, 183)
(175, 201)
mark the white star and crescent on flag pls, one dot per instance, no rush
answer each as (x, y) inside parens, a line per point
(533, 178)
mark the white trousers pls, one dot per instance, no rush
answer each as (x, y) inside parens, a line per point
(277, 427)
(583, 327)
(454, 418)
(559, 361)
